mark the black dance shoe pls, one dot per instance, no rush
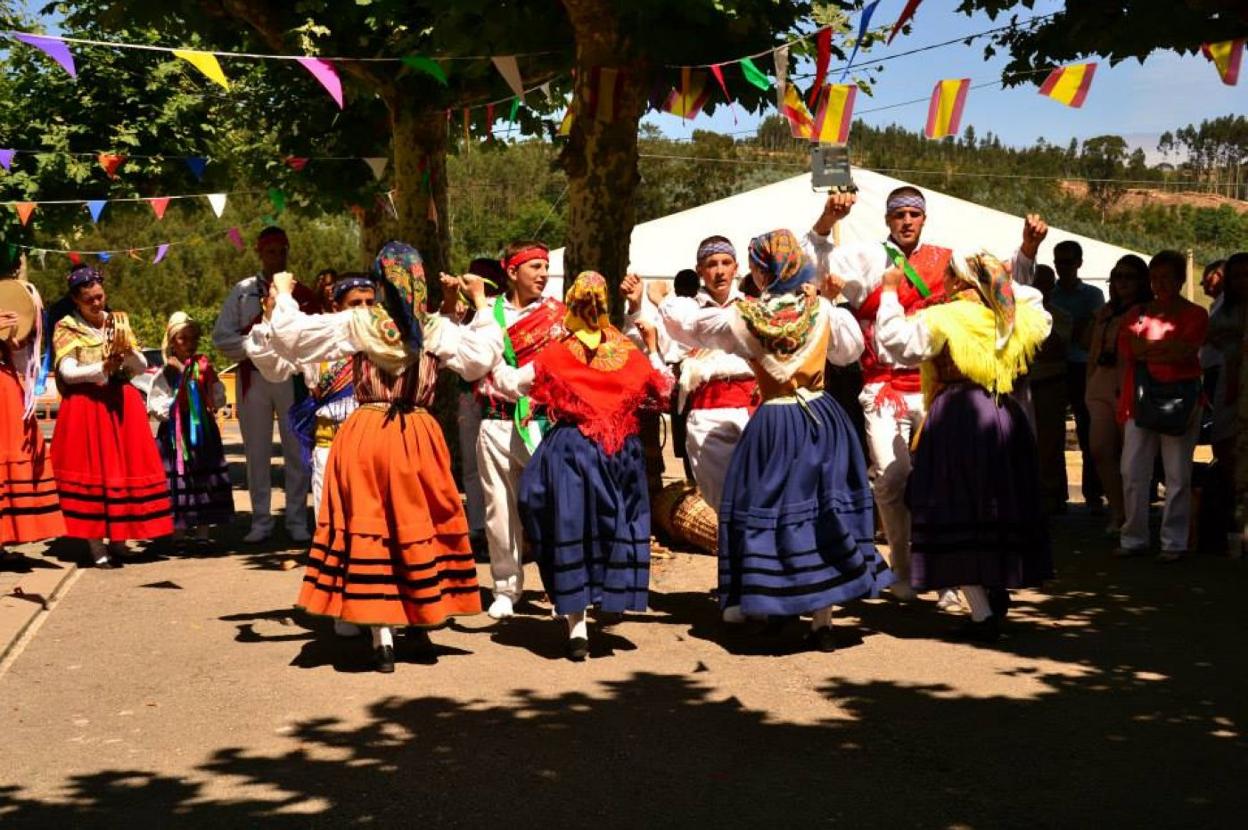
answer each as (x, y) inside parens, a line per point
(578, 649)
(383, 658)
(822, 639)
(986, 631)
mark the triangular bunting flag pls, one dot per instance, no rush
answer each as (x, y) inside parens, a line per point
(781, 58)
(514, 113)
(801, 125)
(863, 23)
(906, 14)
(693, 94)
(161, 250)
(75, 257)
(510, 70)
(378, 166)
(133, 253)
(489, 120)
(426, 65)
(236, 238)
(324, 72)
(565, 126)
(754, 75)
(96, 207)
(197, 165)
(278, 198)
(217, 200)
(6, 158)
(205, 62)
(24, 210)
(159, 204)
(1069, 84)
(110, 162)
(104, 256)
(296, 163)
(432, 213)
(823, 42)
(1227, 57)
(718, 71)
(54, 48)
(836, 112)
(944, 113)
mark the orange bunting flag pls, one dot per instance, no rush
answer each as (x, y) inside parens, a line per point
(944, 114)
(1069, 84)
(692, 96)
(836, 111)
(110, 163)
(605, 86)
(1226, 56)
(24, 209)
(801, 125)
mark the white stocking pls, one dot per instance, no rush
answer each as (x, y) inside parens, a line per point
(577, 625)
(383, 635)
(821, 619)
(977, 599)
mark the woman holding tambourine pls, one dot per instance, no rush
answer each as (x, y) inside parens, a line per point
(108, 469)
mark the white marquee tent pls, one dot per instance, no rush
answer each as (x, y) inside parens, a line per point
(661, 247)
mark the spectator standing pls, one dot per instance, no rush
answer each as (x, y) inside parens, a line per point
(1047, 382)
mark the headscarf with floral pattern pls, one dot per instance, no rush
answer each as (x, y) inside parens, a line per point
(587, 308)
(781, 319)
(986, 281)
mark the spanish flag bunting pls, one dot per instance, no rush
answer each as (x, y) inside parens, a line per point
(110, 162)
(605, 86)
(24, 210)
(801, 125)
(692, 96)
(944, 114)
(836, 111)
(1226, 56)
(1069, 84)
(205, 62)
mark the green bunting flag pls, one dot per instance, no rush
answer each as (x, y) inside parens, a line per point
(754, 75)
(427, 65)
(278, 198)
(515, 110)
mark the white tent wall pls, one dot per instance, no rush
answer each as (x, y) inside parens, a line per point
(661, 247)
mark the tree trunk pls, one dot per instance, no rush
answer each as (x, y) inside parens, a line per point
(419, 144)
(600, 158)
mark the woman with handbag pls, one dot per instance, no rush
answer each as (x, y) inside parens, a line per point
(1159, 406)
(1128, 289)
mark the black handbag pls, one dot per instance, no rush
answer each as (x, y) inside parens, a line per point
(1164, 407)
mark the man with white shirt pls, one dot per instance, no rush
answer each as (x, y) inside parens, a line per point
(891, 398)
(259, 400)
(510, 430)
(718, 388)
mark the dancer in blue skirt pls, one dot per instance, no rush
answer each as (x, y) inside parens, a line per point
(796, 526)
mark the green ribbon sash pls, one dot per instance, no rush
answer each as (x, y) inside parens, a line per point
(528, 427)
(899, 260)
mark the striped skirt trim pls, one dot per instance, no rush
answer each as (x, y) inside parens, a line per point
(30, 509)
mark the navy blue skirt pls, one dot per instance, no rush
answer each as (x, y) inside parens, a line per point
(796, 524)
(586, 515)
(974, 495)
(201, 493)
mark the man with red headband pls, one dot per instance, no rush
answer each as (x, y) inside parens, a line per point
(891, 398)
(510, 428)
(718, 388)
(259, 400)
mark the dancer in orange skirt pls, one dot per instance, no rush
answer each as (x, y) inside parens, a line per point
(391, 545)
(108, 470)
(29, 508)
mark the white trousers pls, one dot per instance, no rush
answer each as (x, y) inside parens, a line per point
(256, 411)
(501, 456)
(1139, 449)
(711, 436)
(888, 444)
(320, 456)
(469, 423)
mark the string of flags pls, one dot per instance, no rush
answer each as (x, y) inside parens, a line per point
(158, 204)
(158, 252)
(111, 163)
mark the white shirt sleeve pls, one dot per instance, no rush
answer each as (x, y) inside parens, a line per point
(1023, 268)
(818, 249)
(309, 338)
(258, 348)
(1026, 295)
(705, 328)
(907, 340)
(469, 351)
(845, 343)
(160, 396)
(227, 334)
(134, 362)
(510, 382)
(71, 371)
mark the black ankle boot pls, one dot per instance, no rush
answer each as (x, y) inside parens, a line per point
(578, 649)
(383, 659)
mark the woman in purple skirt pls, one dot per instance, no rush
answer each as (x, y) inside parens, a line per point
(973, 493)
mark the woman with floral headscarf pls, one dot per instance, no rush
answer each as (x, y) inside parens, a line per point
(391, 545)
(583, 496)
(795, 521)
(974, 491)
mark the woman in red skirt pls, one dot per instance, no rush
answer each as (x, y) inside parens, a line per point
(391, 545)
(108, 469)
(29, 510)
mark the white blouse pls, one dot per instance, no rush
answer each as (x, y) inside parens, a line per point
(160, 398)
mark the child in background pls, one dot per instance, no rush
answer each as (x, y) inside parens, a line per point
(184, 398)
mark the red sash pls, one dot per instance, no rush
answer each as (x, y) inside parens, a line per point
(930, 262)
(726, 393)
(532, 332)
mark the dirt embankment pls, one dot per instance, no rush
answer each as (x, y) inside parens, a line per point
(1139, 196)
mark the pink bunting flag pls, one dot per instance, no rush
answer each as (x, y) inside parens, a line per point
(6, 158)
(236, 238)
(159, 204)
(161, 250)
(324, 72)
(54, 48)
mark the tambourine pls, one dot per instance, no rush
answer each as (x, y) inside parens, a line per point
(118, 336)
(15, 296)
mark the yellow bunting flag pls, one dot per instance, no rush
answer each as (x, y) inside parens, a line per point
(205, 62)
(565, 126)
(801, 125)
(1226, 56)
(836, 111)
(944, 114)
(1069, 84)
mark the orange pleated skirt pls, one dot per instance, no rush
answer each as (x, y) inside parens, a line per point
(391, 544)
(29, 507)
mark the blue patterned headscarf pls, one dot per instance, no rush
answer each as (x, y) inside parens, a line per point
(400, 274)
(780, 265)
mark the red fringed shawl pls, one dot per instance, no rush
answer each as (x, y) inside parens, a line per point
(603, 396)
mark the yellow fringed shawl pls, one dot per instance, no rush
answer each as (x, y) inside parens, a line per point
(969, 332)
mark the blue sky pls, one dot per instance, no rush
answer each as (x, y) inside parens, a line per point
(1138, 102)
